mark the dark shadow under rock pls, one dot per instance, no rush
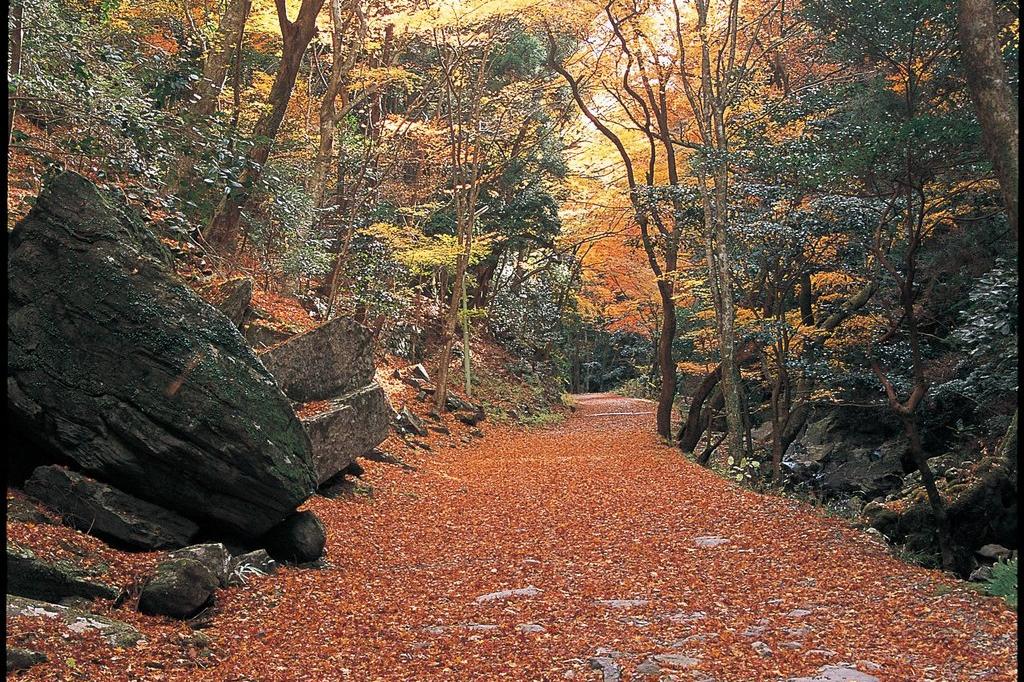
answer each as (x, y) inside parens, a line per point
(107, 512)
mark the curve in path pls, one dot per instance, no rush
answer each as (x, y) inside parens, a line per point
(589, 550)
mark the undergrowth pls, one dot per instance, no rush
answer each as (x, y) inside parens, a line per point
(638, 387)
(1003, 582)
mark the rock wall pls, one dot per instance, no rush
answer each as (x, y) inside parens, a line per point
(844, 451)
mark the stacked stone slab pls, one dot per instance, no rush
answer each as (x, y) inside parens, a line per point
(329, 372)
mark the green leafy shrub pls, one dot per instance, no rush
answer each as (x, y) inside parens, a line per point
(1003, 582)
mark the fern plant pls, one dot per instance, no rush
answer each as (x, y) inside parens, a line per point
(1003, 582)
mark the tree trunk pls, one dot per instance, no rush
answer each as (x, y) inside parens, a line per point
(715, 406)
(806, 300)
(693, 429)
(938, 506)
(990, 93)
(215, 70)
(725, 317)
(222, 233)
(467, 369)
(448, 335)
(17, 41)
(666, 362)
(907, 410)
(228, 42)
(341, 66)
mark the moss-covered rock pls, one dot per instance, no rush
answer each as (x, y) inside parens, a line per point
(114, 363)
(180, 587)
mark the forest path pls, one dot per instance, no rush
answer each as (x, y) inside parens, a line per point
(622, 555)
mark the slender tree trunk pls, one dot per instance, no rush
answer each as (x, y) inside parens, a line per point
(17, 42)
(709, 105)
(725, 318)
(228, 42)
(467, 369)
(467, 155)
(448, 336)
(990, 93)
(714, 407)
(910, 427)
(806, 300)
(693, 428)
(215, 70)
(907, 410)
(666, 362)
(341, 66)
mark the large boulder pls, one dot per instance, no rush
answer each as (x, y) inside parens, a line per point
(298, 539)
(114, 363)
(29, 576)
(345, 428)
(332, 360)
(108, 512)
(179, 589)
(76, 621)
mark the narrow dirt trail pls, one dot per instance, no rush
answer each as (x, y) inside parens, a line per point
(597, 509)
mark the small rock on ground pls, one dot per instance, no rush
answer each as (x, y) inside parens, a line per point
(675, 660)
(528, 591)
(837, 673)
(622, 603)
(611, 671)
(710, 541)
(22, 659)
